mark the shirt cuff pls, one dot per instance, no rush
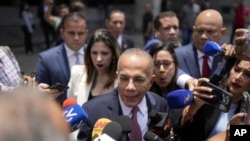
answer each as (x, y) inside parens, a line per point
(182, 79)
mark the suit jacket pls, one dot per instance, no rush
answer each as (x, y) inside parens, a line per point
(108, 106)
(201, 126)
(127, 42)
(188, 61)
(53, 67)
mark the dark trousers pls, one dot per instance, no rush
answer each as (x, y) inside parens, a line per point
(27, 39)
(47, 31)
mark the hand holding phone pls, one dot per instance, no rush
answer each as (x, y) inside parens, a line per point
(59, 87)
(222, 99)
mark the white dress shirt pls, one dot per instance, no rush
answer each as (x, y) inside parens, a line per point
(142, 114)
(71, 56)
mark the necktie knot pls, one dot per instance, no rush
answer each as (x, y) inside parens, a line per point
(77, 58)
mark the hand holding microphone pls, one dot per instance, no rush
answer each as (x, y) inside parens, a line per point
(212, 48)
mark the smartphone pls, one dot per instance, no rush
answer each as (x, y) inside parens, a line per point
(59, 87)
(245, 108)
(222, 99)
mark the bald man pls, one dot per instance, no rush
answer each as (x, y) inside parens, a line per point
(208, 27)
(28, 115)
(135, 77)
(196, 122)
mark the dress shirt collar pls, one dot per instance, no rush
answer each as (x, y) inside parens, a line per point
(70, 52)
(201, 54)
(142, 106)
(119, 40)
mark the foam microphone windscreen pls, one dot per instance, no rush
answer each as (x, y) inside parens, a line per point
(151, 136)
(68, 102)
(212, 48)
(75, 116)
(125, 122)
(99, 126)
(180, 98)
(114, 130)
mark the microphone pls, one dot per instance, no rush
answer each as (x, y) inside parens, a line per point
(99, 126)
(159, 123)
(75, 116)
(151, 136)
(114, 130)
(69, 102)
(126, 125)
(179, 98)
(212, 48)
(104, 137)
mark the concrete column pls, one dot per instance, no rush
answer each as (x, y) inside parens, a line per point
(139, 10)
(156, 7)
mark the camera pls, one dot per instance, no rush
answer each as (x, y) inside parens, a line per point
(222, 99)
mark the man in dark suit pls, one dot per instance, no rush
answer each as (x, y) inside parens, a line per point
(135, 77)
(166, 30)
(116, 23)
(208, 27)
(54, 64)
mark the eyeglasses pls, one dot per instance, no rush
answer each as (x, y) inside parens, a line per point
(165, 64)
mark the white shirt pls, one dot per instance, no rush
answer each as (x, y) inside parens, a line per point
(71, 56)
(200, 57)
(142, 114)
(119, 40)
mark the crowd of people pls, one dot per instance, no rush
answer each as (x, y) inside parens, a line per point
(110, 77)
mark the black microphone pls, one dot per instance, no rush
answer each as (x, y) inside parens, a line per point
(126, 124)
(159, 123)
(113, 130)
(151, 136)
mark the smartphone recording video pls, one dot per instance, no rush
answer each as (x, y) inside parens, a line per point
(222, 99)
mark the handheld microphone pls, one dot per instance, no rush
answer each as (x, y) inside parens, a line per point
(69, 102)
(179, 98)
(159, 123)
(75, 116)
(99, 126)
(126, 124)
(114, 130)
(151, 136)
(212, 48)
(104, 137)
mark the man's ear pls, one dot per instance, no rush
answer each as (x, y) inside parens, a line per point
(151, 81)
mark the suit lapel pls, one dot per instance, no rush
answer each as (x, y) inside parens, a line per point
(63, 62)
(191, 61)
(114, 108)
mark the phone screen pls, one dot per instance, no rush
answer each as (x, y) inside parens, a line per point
(222, 99)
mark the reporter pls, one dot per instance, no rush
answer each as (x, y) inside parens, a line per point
(165, 68)
(27, 115)
(205, 119)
